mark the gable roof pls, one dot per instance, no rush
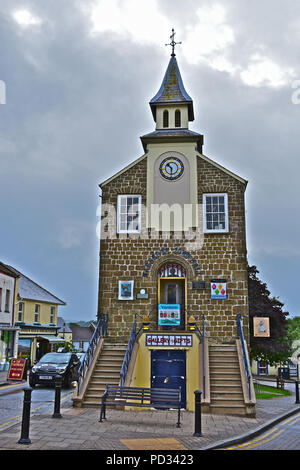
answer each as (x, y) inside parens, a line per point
(81, 333)
(207, 159)
(7, 270)
(64, 327)
(222, 168)
(30, 290)
(111, 178)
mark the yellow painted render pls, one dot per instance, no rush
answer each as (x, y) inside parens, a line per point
(141, 376)
(66, 336)
(44, 312)
(156, 150)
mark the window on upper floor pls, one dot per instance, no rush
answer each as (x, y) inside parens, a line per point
(7, 300)
(166, 118)
(20, 311)
(52, 312)
(177, 118)
(129, 213)
(36, 313)
(215, 213)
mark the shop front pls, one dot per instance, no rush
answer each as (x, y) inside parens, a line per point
(35, 343)
(8, 345)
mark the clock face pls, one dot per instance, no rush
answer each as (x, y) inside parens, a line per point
(171, 168)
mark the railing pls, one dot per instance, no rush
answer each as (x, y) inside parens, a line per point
(99, 332)
(203, 355)
(128, 353)
(201, 333)
(239, 322)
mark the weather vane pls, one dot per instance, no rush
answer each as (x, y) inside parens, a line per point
(173, 43)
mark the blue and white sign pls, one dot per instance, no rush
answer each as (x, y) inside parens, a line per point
(169, 314)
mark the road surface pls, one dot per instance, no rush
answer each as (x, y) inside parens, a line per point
(11, 402)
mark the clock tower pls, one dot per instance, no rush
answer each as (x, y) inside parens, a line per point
(173, 259)
(172, 153)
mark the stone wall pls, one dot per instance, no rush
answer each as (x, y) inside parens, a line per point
(222, 256)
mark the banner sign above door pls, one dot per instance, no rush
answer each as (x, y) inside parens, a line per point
(169, 340)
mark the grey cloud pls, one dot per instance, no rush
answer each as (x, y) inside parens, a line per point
(76, 106)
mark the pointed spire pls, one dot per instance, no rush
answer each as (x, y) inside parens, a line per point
(172, 90)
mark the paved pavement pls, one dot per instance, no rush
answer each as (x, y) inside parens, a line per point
(79, 428)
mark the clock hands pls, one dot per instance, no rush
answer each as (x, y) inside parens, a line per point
(172, 167)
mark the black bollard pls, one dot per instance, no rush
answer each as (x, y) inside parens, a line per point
(197, 413)
(24, 439)
(297, 391)
(58, 385)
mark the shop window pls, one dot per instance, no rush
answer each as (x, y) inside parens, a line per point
(262, 368)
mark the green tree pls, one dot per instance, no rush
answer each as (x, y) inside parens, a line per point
(277, 348)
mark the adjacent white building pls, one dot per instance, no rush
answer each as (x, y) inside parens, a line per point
(8, 300)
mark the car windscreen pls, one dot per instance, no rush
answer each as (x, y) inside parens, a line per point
(58, 358)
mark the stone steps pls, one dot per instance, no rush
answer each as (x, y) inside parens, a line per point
(225, 381)
(107, 370)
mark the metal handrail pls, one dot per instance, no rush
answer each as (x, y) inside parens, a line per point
(99, 332)
(245, 356)
(128, 353)
(203, 355)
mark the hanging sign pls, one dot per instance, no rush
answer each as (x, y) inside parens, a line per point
(169, 340)
(17, 369)
(261, 327)
(218, 289)
(169, 314)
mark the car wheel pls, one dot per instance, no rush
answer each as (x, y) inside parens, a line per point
(32, 384)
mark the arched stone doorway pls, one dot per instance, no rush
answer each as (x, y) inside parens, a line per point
(172, 297)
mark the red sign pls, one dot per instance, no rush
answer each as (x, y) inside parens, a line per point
(17, 369)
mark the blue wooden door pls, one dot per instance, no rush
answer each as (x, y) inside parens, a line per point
(168, 370)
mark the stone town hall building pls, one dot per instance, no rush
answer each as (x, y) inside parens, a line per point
(173, 257)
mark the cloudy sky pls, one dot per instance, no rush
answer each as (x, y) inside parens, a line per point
(76, 80)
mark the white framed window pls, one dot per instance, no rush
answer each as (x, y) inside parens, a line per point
(36, 313)
(52, 312)
(129, 213)
(7, 300)
(215, 213)
(20, 311)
